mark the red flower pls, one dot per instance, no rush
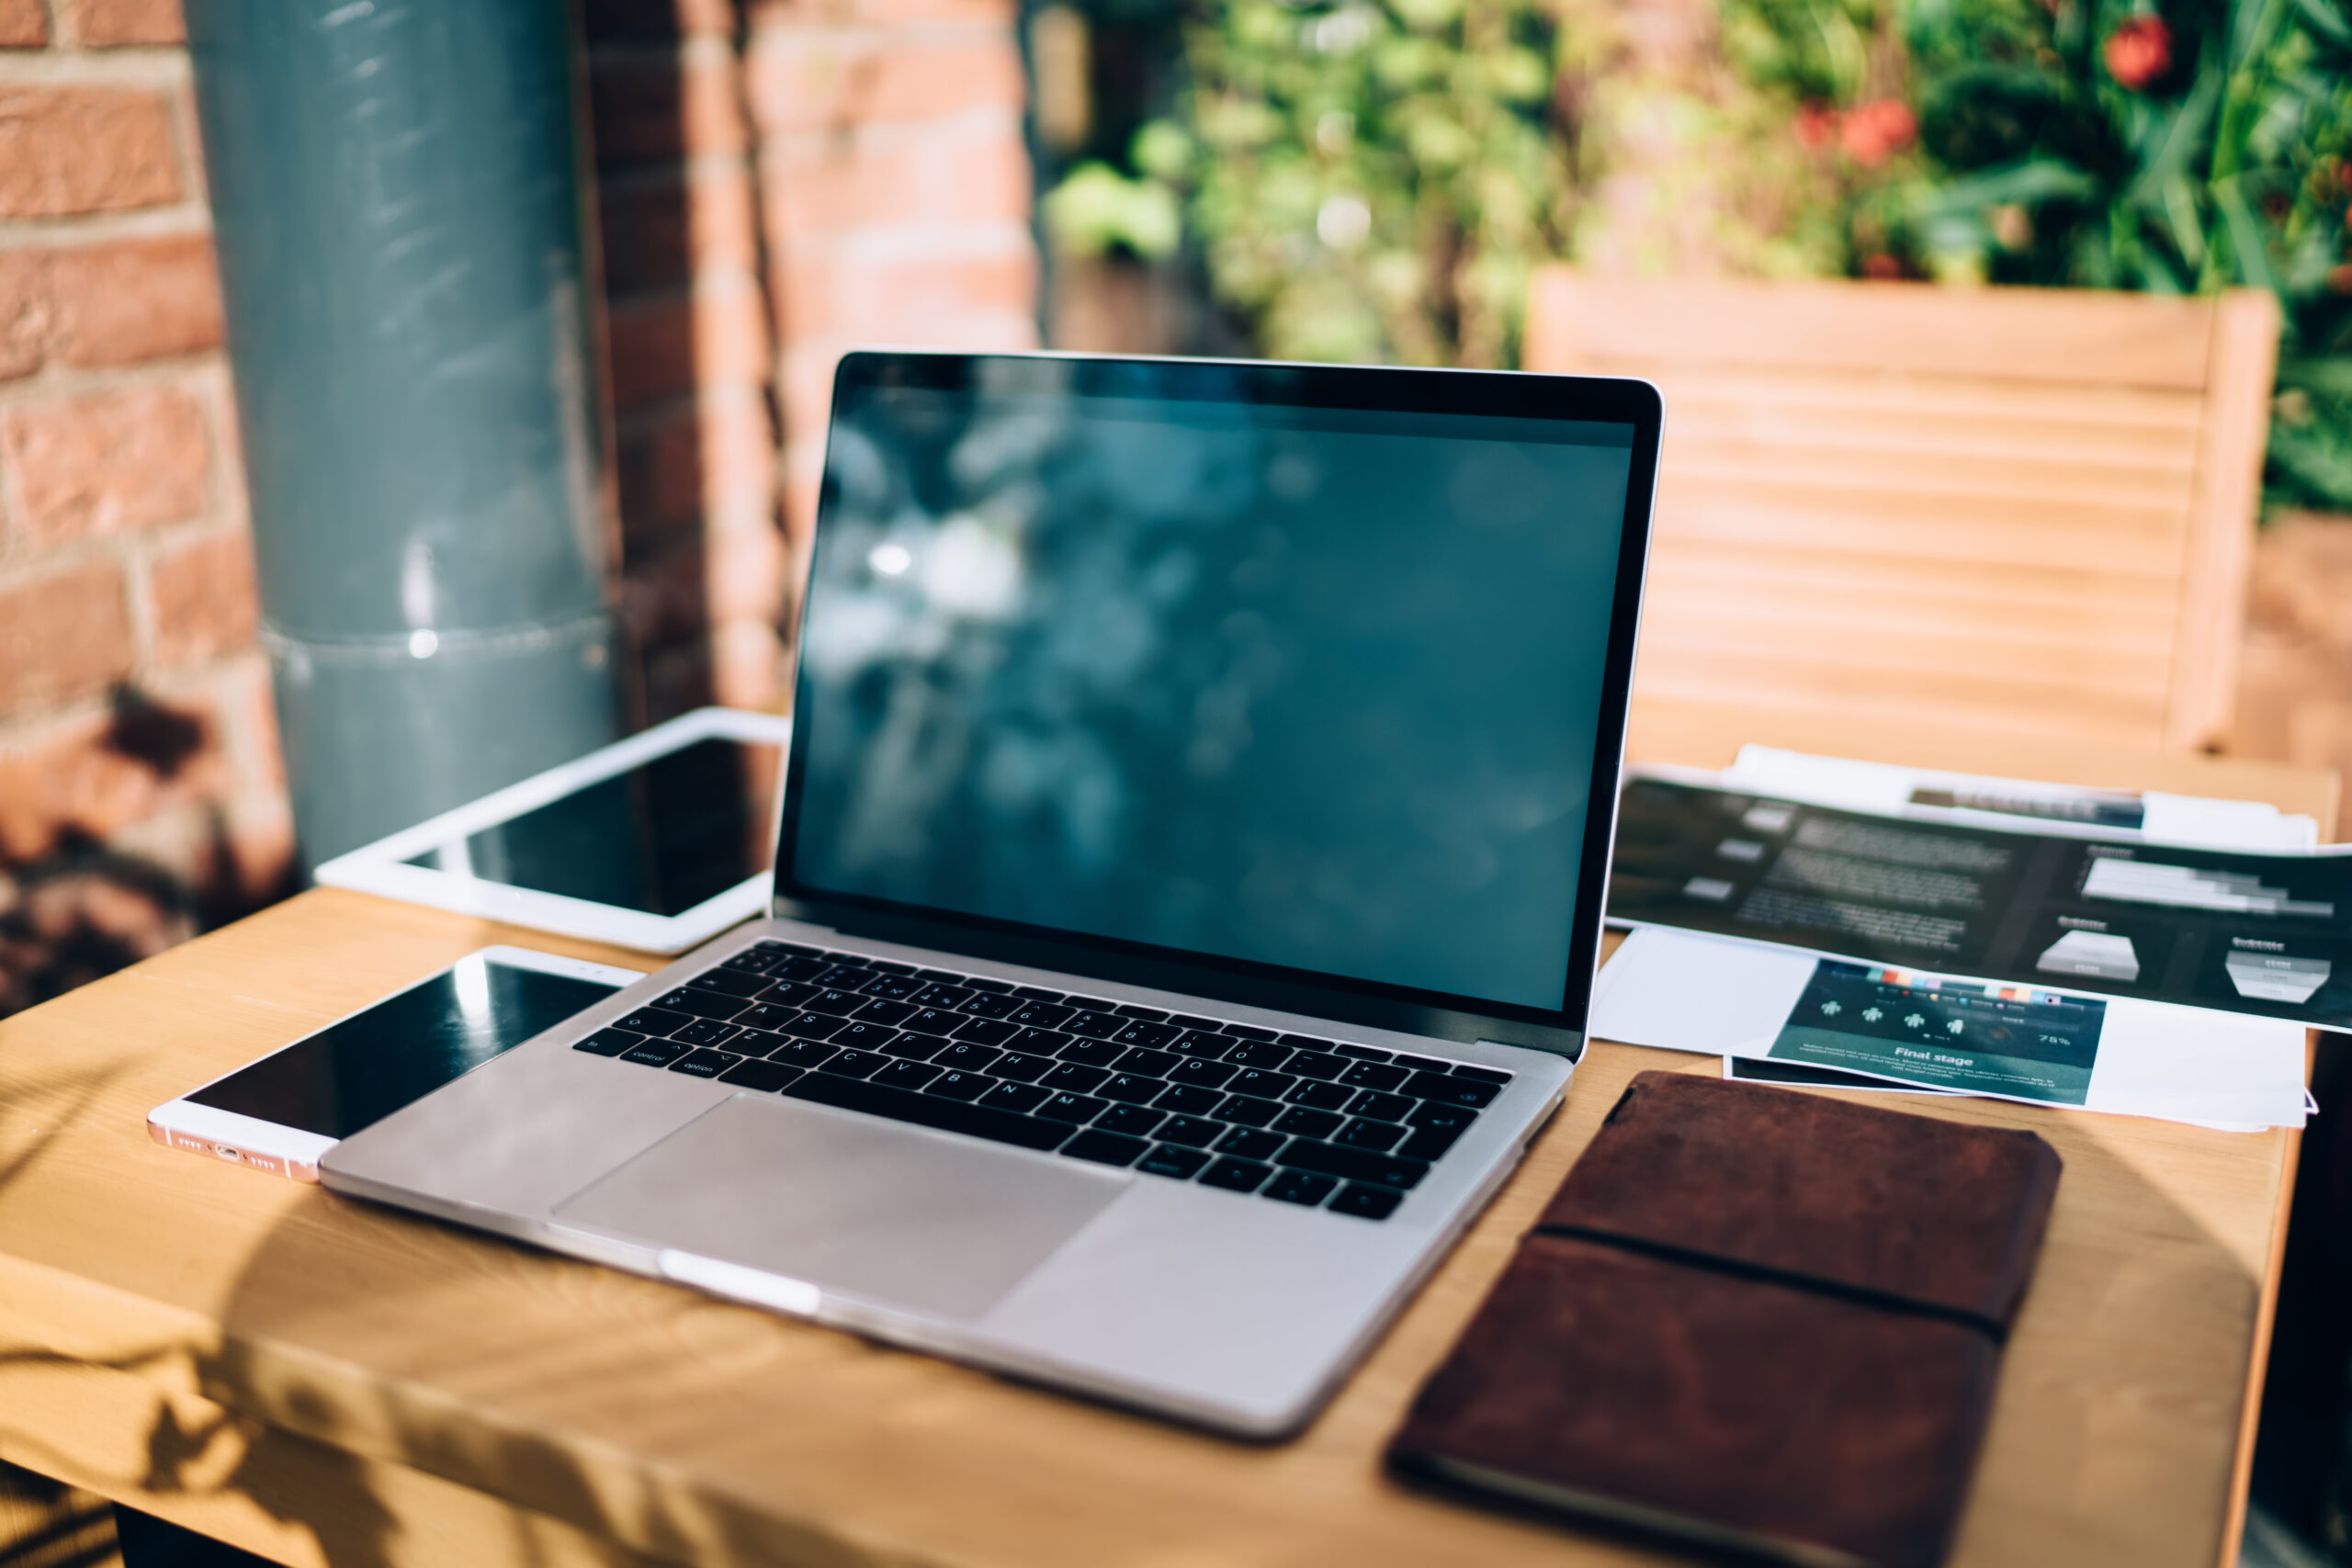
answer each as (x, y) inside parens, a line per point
(1881, 267)
(1816, 125)
(2138, 52)
(1875, 132)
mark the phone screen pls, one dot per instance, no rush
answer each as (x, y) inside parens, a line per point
(361, 1070)
(661, 837)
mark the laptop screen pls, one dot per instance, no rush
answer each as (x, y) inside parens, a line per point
(1257, 664)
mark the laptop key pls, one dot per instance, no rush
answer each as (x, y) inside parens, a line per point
(1022, 1068)
(1247, 1110)
(800, 968)
(856, 1064)
(1429, 1113)
(914, 1047)
(845, 976)
(803, 1054)
(809, 1025)
(1130, 1089)
(1205, 1074)
(1148, 1062)
(961, 1086)
(1308, 1123)
(893, 988)
(1260, 1053)
(936, 996)
(837, 1002)
(1013, 1097)
(1320, 1096)
(1038, 1042)
(1201, 1042)
(787, 994)
(655, 1053)
(1447, 1090)
(1038, 1015)
(729, 982)
(974, 982)
(1366, 1202)
(1128, 1009)
(1363, 1134)
(1141, 1032)
(1094, 1025)
(701, 1003)
(1306, 1042)
(654, 1020)
(1092, 1053)
(1104, 1149)
(1493, 1075)
(1136, 1121)
(1298, 1187)
(1360, 1053)
(1315, 1064)
(931, 1020)
(1036, 995)
(862, 1037)
(1172, 1160)
(706, 1031)
(765, 1076)
(1383, 1106)
(1074, 1077)
(608, 1042)
(929, 1110)
(756, 960)
(880, 1012)
(962, 1055)
(1237, 1175)
(1373, 1074)
(1193, 1132)
(987, 1004)
(1264, 1085)
(1429, 1143)
(985, 1030)
(1077, 1108)
(1249, 1143)
(1193, 1100)
(1352, 1165)
(705, 1064)
(906, 1075)
(767, 1015)
(884, 966)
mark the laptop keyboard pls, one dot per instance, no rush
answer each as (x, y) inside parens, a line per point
(1289, 1117)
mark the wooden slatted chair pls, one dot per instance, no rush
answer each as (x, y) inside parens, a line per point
(2028, 512)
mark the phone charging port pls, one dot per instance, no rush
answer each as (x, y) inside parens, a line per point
(225, 1152)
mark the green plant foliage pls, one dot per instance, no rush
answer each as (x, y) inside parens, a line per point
(2172, 146)
(1368, 181)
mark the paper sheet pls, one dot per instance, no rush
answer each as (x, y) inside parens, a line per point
(1680, 991)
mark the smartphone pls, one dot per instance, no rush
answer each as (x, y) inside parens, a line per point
(281, 1113)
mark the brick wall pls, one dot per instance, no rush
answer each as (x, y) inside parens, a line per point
(139, 793)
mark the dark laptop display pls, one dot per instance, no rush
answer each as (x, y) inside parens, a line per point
(1267, 664)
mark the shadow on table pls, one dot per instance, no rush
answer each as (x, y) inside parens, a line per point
(338, 1274)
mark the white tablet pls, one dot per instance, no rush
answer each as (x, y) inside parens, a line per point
(655, 842)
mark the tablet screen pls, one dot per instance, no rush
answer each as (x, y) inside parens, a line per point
(661, 838)
(356, 1073)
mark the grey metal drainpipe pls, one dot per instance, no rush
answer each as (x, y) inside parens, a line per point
(398, 199)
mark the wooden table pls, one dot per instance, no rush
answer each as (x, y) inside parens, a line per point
(323, 1381)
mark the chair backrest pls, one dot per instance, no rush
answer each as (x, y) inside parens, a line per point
(2015, 510)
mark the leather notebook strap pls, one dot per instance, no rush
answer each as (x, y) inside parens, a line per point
(1861, 1295)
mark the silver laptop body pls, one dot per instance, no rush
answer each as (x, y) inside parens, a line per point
(1168, 960)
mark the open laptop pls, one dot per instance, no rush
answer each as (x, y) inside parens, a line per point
(1187, 891)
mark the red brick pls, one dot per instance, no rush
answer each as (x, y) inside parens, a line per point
(663, 348)
(607, 21)
(767, 13)
(204, 597)
(812, 78)
(717, 455)
(139, 300)
(644, 108)
(659, 233)
(24, 24)
(108, 24)
(110, 461)
(23, 311)
(665, 597)
(816, 184)
(62, 635)
(83, 149)
(908, 293)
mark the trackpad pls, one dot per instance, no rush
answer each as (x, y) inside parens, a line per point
(866, 1208)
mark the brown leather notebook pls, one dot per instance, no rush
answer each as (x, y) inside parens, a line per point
(1752, 1318)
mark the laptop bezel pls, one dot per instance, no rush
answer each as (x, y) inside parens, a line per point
(1405, 1009)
